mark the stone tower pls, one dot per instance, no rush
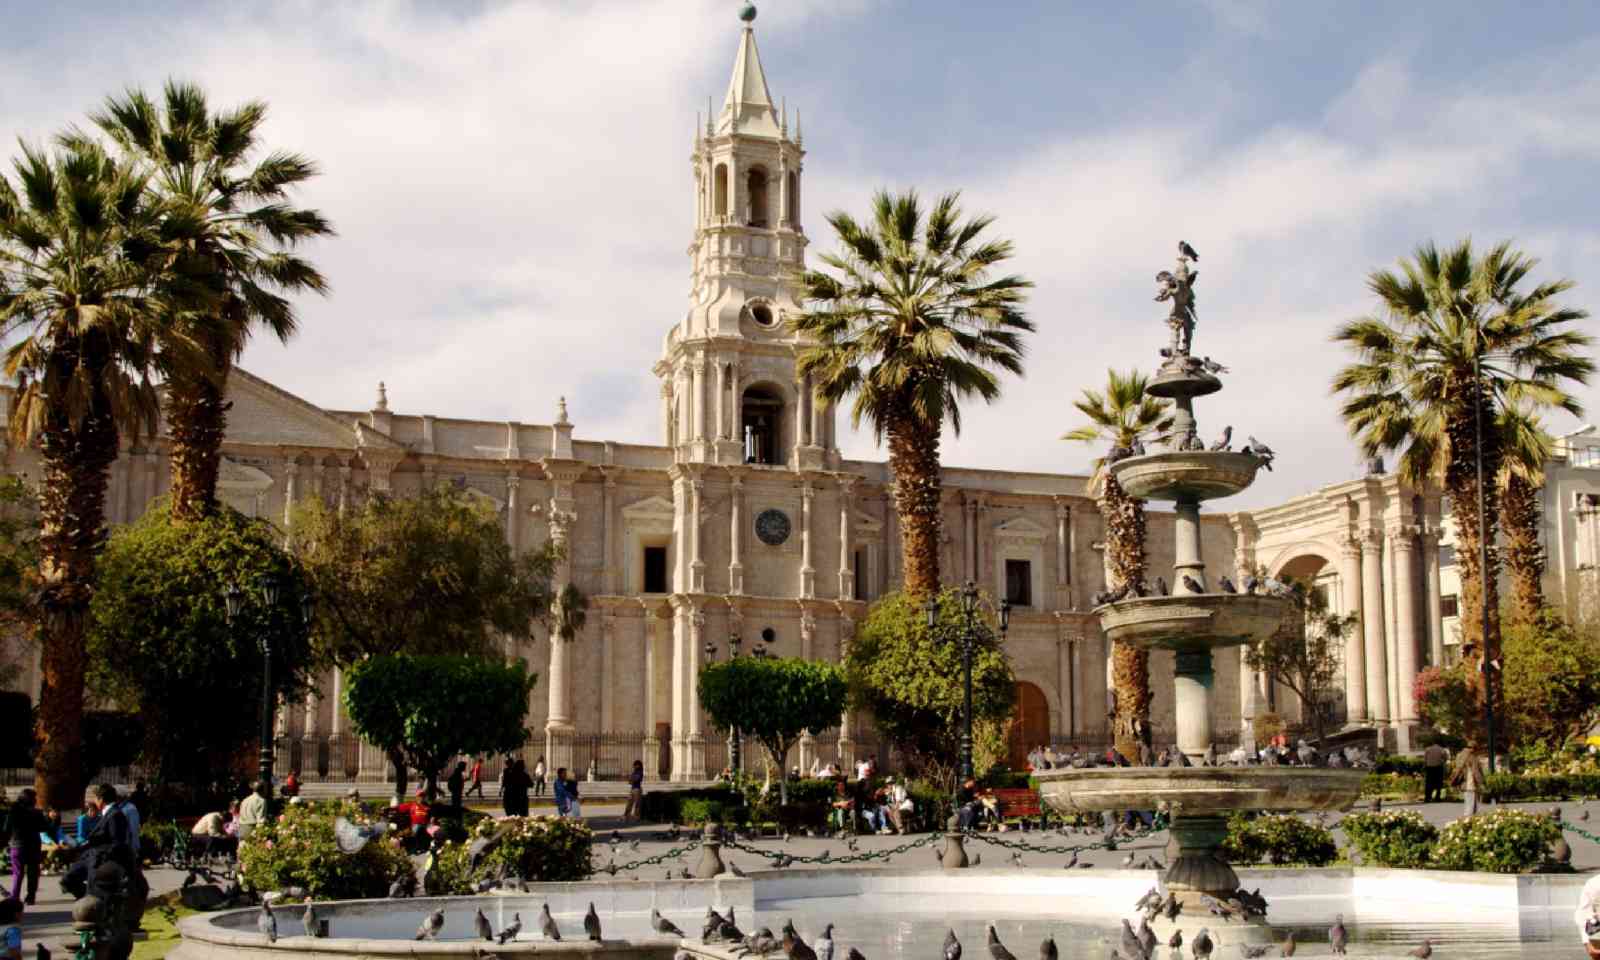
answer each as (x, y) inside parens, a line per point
(729, 392)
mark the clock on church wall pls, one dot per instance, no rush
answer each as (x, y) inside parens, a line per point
(772, 526)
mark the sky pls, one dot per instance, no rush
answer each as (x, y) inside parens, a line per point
(512, 190)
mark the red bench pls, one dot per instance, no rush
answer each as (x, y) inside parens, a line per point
(1017, 802)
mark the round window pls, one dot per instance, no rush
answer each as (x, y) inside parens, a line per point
(762, 314)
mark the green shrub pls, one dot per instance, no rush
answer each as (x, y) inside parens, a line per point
(1391, 785)
(298, 849)
(1391, 839)
(1009, 780)
(450, 875)
(1505, 841)
(701, 810)
(666, 806)
(1396, 763)
(539, 849)
(1503, 787)
(1281, 840)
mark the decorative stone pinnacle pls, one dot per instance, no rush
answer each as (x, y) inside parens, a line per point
(748, 14)
(561, 410)
(383, 397)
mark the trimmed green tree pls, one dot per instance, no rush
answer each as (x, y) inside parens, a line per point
(774, 700)
(1552, 679)
(427, 709)
(910, 679)
(161, 645)
(1306, 653)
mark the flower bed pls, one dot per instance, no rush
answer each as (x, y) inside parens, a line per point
(1279, 839)
(298, 849)
(1505, 841)
(1391, 839)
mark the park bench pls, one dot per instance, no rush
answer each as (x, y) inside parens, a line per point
(1015, 802)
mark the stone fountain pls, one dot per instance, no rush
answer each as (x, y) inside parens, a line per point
(1194, 621)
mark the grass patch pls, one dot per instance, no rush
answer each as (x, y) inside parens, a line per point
(161, 918)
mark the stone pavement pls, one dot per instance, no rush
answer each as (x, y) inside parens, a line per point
(50, 920)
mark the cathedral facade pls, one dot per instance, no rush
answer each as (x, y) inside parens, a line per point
(746, 521)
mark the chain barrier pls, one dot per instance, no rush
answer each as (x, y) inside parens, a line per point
(1569, 825)
(613, 868)
(781, 860)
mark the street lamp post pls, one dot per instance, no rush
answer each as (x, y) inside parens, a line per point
(234, 598)
(968, 633)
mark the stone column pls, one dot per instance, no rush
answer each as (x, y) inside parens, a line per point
(1065, 701)
(291, 470)
(891, 538)
(608, 522)
(1186, 547)
(847, 575)
(1355, 670)
(1063, 563)
(802, 411)
(808, 573)
(721, 406)
(696, 767)
(559, 718)
(1430, 569)
(336, 720)
(969, 542)
(1406, 640)
(608, 672)
(1192, 680)
(344, 483)
(847, 743)
(513, 510)
(319, 487)
(735, 409)
(736, 535)
(152, 476)
(652, 746)
(697, 391)
(1377, 665)
(808, 636)
(697, 565)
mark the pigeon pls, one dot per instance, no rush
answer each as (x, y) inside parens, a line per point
(1047, 949)
(267, 923)
(1249, 950)
(824, 944)
(1192, 585)
(1227, 585)
(1016, 860)
(662, 925)
(308, 920)
(1225, 442)
(1561, 852)
(1147, 937)
(352, 837)
(1161, 587)
(1337, 937)
(41, 952)
(1209, 758)
(1424, 952)
(1176, 941)
(977, 858)
(997, 950)
(1072, 862)
(510, 931)
(430, 926)
(952, 946)
(1130, 944)
(1152, 898)
(761, 942)
(793, 947)
(1287, 950)
(1583, 815)
(1210, 365)
(1251, 583)
(1172, 907)
(1202, 946)
(480, 924)
(1127, 862)
(547, 924)
(591, 923)
(1187, 252)
(854, 954)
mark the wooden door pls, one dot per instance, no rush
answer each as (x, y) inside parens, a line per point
(1030, 724)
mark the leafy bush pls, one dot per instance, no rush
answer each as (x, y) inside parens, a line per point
(451, 874)
(666, 806)
(1390, 785)
(539, 849)
(1391, 839)
(1282, 840)
(298, 849)
(1505, 841)
(700, 810)
(1504, 787)
(1397, 763)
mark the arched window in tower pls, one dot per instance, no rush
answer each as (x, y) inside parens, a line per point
(761, 412)
(756, 190)
(719, 186)
(794, 199)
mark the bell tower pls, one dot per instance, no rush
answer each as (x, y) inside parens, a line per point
(729, 390)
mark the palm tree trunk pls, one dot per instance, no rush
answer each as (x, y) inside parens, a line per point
(914, 461)
(1521, 516)
(1472, 532)
(76, 462)
(197, 420)
(1130, 666)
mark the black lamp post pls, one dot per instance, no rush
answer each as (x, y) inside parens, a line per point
(1483, 541)
(968, 633)
(270, 589)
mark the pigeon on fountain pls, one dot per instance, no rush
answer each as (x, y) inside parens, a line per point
(1209, 758)
(1047, 949)
(267, 923)
(1254, 950)
(1176, 941)
(1337, 937)
(1187, 252)
(1192, 585)
(1130, 944)
(1212, 366)
(1227, 585)
(509, 931)
(762, 942)
(351, 837)
(1561, 851)
(824, 944)
(480, 925)
(308, 920)
(1202, 946)
(547, 924)
(1251, 584)
(661, 924)
(952, 946)
(793, 947)
(1226, 443)
(1287, 950)
(1147, 938)
(1161, 587)
(430, 927)
(997, 950)
(1424, 951)
(1152, 898)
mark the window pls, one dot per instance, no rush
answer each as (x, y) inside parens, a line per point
(756, 189)
(762, 415)
(655, 570)
(1449, 606)
(761, 313)
(1447, 554)
(719, 187)
(859, 566)
(1019, 583)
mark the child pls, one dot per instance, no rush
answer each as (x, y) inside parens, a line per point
(10, 929)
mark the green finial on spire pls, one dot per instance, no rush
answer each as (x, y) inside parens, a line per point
(748, 13)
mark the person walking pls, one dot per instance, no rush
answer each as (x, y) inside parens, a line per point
(476, 778)
(253, 811)
(574, 808)
(515, 792)
(538, 778)
(1433, 761)
(457, 783)
(559, 790)
(1468, 775)
(26, 850)
(635, 807)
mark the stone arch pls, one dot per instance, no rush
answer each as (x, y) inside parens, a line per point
(1306, 557)
(793, 213)
(765, 414)
(756, 182)
(1030, 723)
(719, 190)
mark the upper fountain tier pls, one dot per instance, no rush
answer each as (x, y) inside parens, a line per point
(1186, 475)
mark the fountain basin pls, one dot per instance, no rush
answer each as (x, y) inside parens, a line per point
(1193, 622)
(1197, 789)
(1186, 475)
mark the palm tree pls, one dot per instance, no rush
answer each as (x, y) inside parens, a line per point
(83, 328)
(230, 228)
(1122, 416)
(1527, 449)
(1416, 386)
(914, 323)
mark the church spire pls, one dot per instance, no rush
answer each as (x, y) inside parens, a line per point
(748, 107)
